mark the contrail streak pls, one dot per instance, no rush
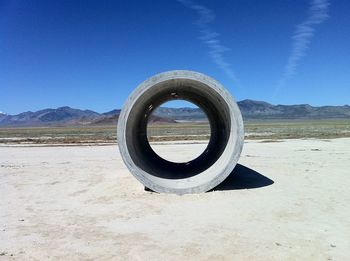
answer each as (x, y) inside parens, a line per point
(318, 13)
(211, 38)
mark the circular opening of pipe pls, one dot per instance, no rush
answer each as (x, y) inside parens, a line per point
(200, 174)
(174, 125)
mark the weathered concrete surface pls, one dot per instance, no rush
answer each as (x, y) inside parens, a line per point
(218, 159)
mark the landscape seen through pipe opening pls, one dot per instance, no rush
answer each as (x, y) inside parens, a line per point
(174, 127)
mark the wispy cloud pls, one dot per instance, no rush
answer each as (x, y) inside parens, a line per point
(318, 13)
(211, 38)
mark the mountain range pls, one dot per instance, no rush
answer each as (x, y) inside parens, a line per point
(66, 116)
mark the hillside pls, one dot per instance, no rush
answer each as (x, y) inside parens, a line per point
(181, 114)
(262, 110)
(66, 116)
(47, 117)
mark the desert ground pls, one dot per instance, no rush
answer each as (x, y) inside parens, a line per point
(287, 200)
(254, 129)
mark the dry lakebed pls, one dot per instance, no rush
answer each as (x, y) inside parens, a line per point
(286, 200)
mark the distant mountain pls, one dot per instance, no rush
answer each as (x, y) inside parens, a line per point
(154, 119)
(113, 112)
(181, 114)
(112, 119)
(262, 110)
(2, 116)
(66, 116)
(47, 117)
(107, 118)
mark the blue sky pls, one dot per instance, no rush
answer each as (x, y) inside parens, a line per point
(92, 54)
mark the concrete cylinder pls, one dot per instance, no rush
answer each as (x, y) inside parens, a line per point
(207, 170)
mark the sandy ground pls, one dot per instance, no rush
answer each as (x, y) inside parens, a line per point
(288, 200)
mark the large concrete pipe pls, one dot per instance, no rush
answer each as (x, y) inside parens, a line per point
(207, 170)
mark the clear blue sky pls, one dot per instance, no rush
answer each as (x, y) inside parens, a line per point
(92, 54)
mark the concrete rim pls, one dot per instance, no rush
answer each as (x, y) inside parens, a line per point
(213, 165)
